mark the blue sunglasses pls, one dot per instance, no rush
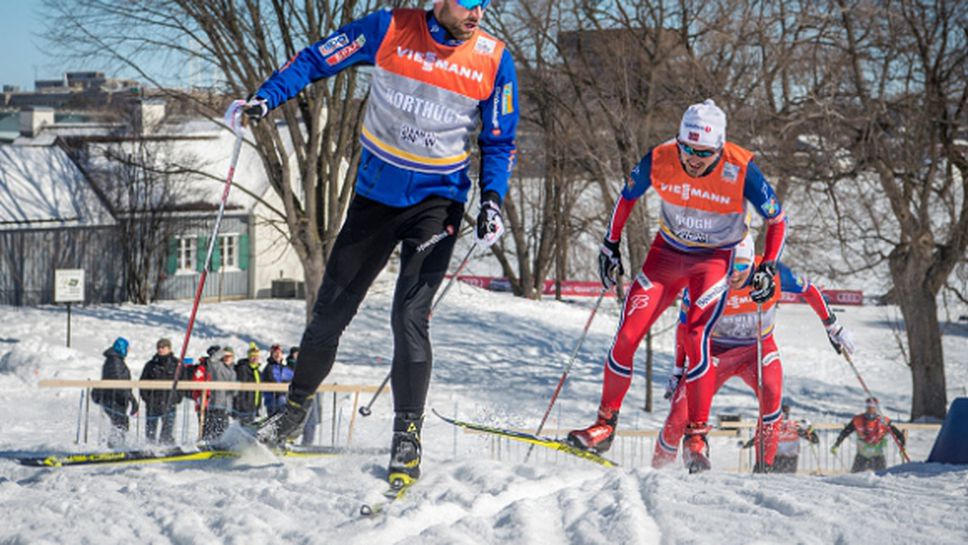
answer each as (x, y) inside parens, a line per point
(471, 4)
(701, 153)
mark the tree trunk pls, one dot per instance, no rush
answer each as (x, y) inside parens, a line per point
(920, 311)
(313, 269)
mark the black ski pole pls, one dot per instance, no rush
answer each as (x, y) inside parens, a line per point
(366, 409)
(760, 425)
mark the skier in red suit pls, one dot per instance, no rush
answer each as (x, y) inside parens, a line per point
(734, 353)
(704, 183)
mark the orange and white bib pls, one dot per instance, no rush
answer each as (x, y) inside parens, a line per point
(704, 212)
(423, 105)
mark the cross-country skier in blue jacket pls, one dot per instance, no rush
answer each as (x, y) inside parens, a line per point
(437, 77)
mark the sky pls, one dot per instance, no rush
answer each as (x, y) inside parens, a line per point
(24, 58)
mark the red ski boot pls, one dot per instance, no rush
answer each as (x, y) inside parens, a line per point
(695, 449)
(598, 436)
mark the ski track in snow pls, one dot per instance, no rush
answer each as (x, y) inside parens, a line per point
(497, 360)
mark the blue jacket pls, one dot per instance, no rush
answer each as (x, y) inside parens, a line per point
(377, 179)
(279, 373)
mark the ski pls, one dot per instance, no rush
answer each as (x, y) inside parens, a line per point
(538, 440)
(396, 490)
(179, 454)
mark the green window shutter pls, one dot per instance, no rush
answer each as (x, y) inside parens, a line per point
(244, 251)
(172, 265)
(217, 255)
(201, 246)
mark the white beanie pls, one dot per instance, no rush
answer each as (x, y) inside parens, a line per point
(703, 124)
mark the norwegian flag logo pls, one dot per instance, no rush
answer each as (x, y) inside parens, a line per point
(694, 136)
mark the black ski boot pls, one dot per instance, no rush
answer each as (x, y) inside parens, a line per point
(405, 450)
(285, 425)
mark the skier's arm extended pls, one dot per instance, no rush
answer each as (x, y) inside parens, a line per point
(844, 433)
(354, 43)
(760, 194)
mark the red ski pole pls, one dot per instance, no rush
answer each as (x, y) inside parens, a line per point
(235, 125)
(877, 405)
(571, 361)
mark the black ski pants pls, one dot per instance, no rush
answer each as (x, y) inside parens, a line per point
(426, 233)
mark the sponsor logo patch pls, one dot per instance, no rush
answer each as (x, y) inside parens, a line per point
(507, 99)
(637, 302)
(429, 62)
(730, 172)
(449, 230)
(336, 42)
(414, 135)
(686, 191)
(770, 208)
(712, 294)
(347, 51)
(484, 45)
(643, 281)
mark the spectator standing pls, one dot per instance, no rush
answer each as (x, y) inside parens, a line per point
(115, 402)
(219, 402)
(246, 404)
(161, 367)
(277, 371)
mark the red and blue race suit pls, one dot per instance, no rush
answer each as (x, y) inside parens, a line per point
(734, 354)
(417, 129)
(702, 219)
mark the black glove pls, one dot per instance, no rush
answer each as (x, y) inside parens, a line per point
(763, 285)
(609, 263)
(255, 107)
(490, 223)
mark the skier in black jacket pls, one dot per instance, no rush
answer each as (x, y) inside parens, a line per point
(161, 367)
(115, 402)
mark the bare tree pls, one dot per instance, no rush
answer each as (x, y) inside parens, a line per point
(309, 147)
(143, 191)
(895, 171)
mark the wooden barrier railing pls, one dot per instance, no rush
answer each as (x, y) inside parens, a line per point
(84, 413)
(192, 386)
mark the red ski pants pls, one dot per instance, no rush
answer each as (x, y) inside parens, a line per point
(730, 362)
(664, 274)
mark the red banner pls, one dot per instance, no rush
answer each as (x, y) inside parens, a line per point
(569, 288)
(834, 297)
(577, 288)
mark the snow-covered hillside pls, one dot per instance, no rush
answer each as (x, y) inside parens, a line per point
(497, 359)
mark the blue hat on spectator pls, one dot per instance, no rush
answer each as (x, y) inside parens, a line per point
(121, 346)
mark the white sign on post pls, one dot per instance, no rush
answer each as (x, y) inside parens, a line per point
(69, 286)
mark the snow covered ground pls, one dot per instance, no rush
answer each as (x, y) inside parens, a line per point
(497, 361)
